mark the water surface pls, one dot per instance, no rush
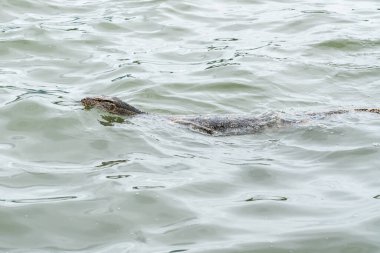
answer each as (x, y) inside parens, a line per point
(69, 183)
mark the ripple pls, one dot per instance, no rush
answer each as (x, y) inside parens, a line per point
(226, 39)
(263, 197)
(118, 176)
(39, 200)
(348, 44)
(147, 187)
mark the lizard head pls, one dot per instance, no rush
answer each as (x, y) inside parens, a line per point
(110, 104)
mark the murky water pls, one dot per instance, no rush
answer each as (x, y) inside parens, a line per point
(69, 183)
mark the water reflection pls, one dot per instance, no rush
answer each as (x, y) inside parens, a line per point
(109, 120)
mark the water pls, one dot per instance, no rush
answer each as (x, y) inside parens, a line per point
(69, 183)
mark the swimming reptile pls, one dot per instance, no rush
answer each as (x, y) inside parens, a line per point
(212, 124)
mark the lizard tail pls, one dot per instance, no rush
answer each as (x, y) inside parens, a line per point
(372, 110)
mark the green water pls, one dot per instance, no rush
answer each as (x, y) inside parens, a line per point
(69, 183)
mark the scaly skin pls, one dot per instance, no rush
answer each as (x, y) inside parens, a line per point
(110, 104)
(213, 125)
